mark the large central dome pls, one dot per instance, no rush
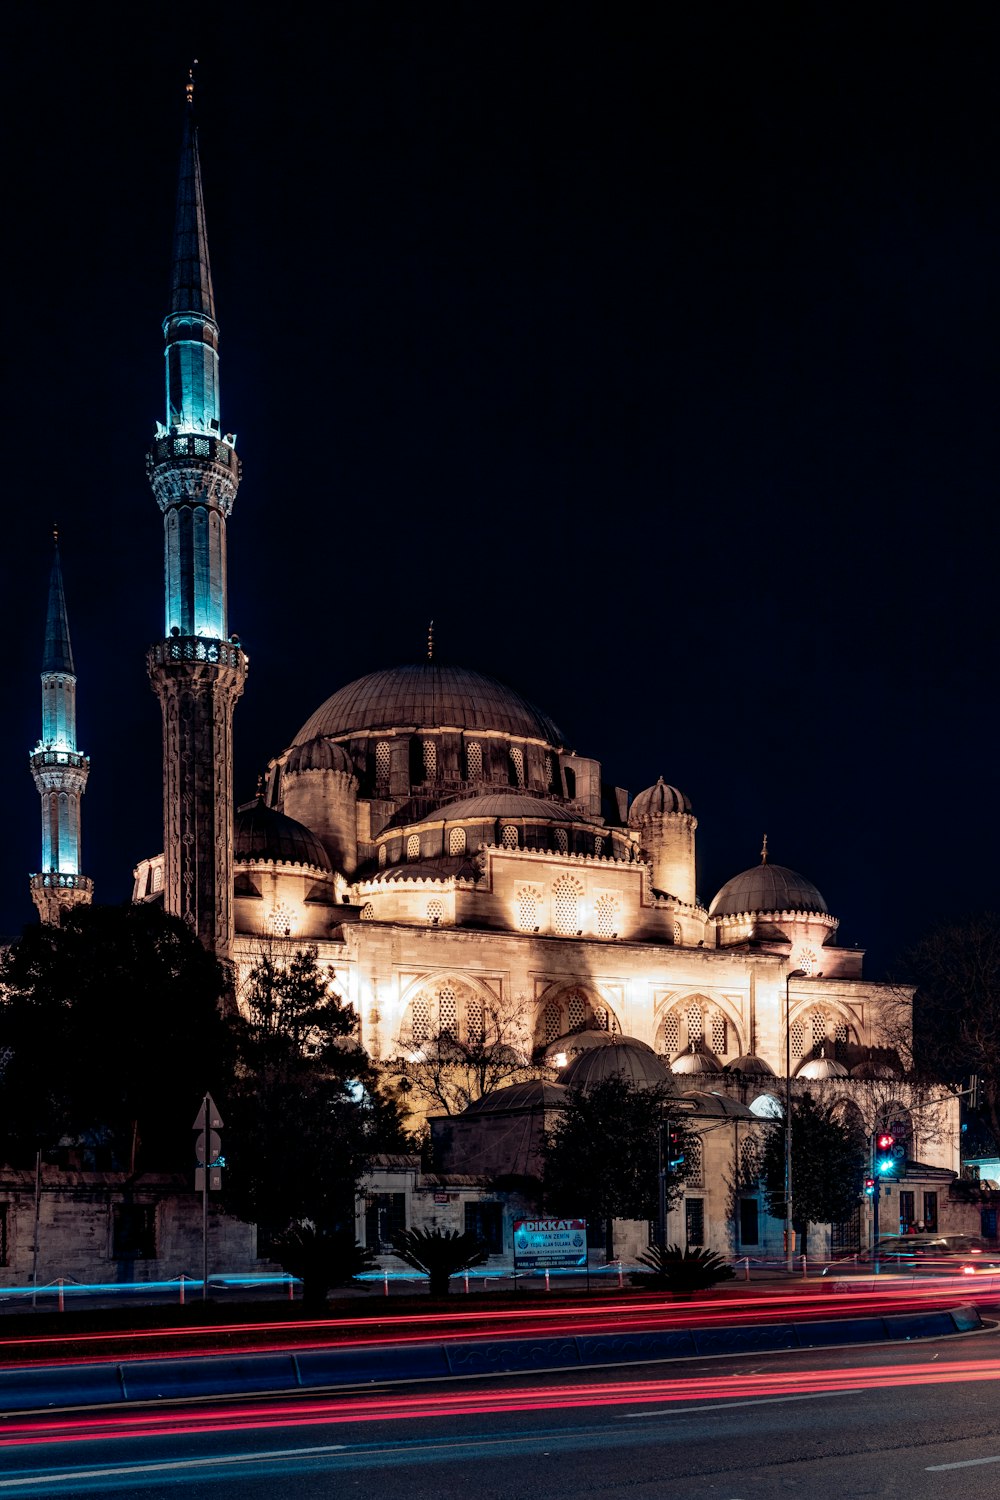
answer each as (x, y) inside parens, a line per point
(427, 695)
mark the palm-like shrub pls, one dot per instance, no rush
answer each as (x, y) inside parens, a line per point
(672, 1269)
(440, 1253)
(321, 1258)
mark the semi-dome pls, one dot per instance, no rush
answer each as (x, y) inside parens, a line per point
(261, 833)
(628, 1058)
(766, 888)
(427, 695)
(661, 798)
(519, 1098)
(575, 1042)
(502, 805)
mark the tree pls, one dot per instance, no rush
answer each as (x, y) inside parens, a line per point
(956, 1010)
(828, 1165)
(441, 1253)
(305, 1116)
(112, 1028)
(601, 1161)
(447, 1071)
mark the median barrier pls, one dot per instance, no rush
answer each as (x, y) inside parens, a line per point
(47, 1386)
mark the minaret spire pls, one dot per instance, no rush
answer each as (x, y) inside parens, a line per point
(59, 770)
(198, 670)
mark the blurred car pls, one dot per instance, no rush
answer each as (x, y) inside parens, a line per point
(946, 1254)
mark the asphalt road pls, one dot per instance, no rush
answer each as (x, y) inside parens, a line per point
(915, 1421)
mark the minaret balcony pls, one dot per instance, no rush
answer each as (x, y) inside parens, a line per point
(187, 468)
(46, 755)
(197, 648)
(57, 880)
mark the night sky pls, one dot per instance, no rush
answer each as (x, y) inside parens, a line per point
(650, 350)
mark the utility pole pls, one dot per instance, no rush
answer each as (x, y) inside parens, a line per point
(208, 1173)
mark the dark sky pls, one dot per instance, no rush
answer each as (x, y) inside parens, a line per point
(651, 350)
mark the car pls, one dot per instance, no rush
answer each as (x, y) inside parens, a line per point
(945, 1254)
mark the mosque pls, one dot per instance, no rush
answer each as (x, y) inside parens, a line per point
(449, 855)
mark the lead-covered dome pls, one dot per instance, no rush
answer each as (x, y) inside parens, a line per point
(427, 695)
(655, 800)
(262, 834)
(767, 888)
(626, 1058)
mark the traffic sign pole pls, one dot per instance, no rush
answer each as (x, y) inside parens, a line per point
(208, 1176)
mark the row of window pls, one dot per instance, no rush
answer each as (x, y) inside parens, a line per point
(423, 765)
(510, 838)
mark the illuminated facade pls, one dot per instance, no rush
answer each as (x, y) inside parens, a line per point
(59, 769)
(448, 852)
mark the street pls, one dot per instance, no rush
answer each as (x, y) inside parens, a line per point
(907, 1421)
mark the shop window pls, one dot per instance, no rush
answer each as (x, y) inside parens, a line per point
(907, 1211)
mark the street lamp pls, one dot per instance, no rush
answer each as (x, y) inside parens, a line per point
(795, 974)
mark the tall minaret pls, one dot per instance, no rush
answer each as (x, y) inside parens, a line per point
(198, 670)
(60, 771)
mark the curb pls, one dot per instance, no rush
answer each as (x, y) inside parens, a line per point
(36, 1388)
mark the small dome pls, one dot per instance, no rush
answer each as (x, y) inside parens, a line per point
(819, 1068)
(575, 1042)
(766, 888)
(262, 834)
(319, 755)
(427, 695)
(717, 1106)
(628, 1058)
(870, 1069)
(661, 798)
(696, 1060)
(519, 1098)
(751, 1066)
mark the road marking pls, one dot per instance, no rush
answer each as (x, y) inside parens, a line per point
(966, 1463)
(72, 1476)
(670, 1411)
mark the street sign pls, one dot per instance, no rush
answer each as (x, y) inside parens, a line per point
(214, 1122)
(214, 1183)
(214, 1149)
(541, 1244)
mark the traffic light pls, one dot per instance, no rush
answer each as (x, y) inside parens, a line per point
(885, 1155)
(870, 1187)
(675, 1145)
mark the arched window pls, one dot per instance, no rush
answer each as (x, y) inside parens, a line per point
(448, 1010)
(577, 1010)
(562, 840)
(527, 910)
(368, 912)
(413, 846)
(798, 1038)
(606, 916)
(693, 1160)
(818, 1029)
(383, 855)
(516, 766)
(508, 836)
(456, 841)
(670, 1034)
(678, 934)
(420, 1025)
(551, 1020)
(435, 911)
(720, 1039)
(473, 760)
(598, 844)
(430, 759)
(280, 920)
(474, 1028)
(383, 760)
(695, 1025)
(566, 894)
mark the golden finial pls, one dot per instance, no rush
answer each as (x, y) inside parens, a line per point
(763, 851)
(189, 86)
(260, 788)
(430, 641)
(55, 532)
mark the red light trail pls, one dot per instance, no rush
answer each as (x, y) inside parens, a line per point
(407, 1407)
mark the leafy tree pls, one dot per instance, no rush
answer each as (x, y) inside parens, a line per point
(448, 1072)
(956, 1010)
(828, 1165)
(305, 1116)
(601, 1160)
(441, 1253)
(111, 1029)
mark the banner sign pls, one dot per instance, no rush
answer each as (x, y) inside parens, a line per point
(547, 1244)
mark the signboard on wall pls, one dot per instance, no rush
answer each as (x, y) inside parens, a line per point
(549, 1244)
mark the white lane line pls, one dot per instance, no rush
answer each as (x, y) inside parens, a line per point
(72, 1476)
(670, 1411)
(966, 1463)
